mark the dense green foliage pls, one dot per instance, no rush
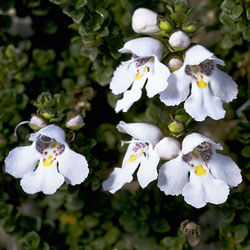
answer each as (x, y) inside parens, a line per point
(61, 67)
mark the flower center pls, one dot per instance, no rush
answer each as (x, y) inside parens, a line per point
(199, 170)
(139, 148)
(142, 65)
(140, 75)
(49, 148)
(200, 72)
(198, 159)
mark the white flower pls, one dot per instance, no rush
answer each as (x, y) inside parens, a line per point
(179, 40)
(210, 86)
(47, 162)
(143, 66)
(144, 21)
(199, 173)
(145, 149)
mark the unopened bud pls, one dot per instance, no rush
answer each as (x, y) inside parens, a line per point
(192, 26)
(37, 122)
(181, 118)
(180, 8)
(179, 40)
(75, 122)
(47, 113)
(144, 21)
(168, 148)
(175, 63)
(165, 25)
(178, 17)
(176, 127)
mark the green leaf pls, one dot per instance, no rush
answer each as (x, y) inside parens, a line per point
(31, 241)
(80, 3)
(147, 244)
(112, 235)
(128, 223)
(29, 223)
(10, 51)
(246, 34)
(90, 221)
(5, 210)
(160, 226)
(246, 151)
(240, 233)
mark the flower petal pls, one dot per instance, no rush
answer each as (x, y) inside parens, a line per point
(217, 60)
(178, 88)
(203, 189)
(224, 168)
(129, 97)
(73, 166)
(141, 131)
(148, 168)
(120, 176)
(44, 179)
(143, 47)
(173, 176)
(22, 160)
(223, 86)
(157, 81)
(195, 139)
(123, 77)
(197, 54)
(51, 131)
(201, 103)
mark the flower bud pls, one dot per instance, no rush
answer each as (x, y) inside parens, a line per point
(165, 25)
(47, 113)
(175, 63)
(180, 8)
(178, 17)
(75, 122)
(175, 127)
(167, 148)
(37, 122)
(144, 21)
(179, 40)
(192, 26)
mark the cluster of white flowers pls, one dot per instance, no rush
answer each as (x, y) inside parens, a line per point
(194, 169)
(210, 87)
(197, 171)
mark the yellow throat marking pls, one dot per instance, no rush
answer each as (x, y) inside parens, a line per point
(132, 158)
(199, 170)
(47, 163)
(139, 75)
(202, 84)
